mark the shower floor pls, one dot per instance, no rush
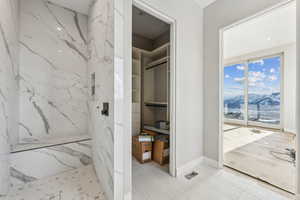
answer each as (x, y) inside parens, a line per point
(260, 154)
(79, 184)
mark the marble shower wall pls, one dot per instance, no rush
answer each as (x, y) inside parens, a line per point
(101, 62)
(8, 84)
(106, 40)
(53, 72)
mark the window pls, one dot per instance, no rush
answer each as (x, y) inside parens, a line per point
(234, 92)
(252, 91)
(264, 90)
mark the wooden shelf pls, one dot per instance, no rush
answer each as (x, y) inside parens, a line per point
(152, 128)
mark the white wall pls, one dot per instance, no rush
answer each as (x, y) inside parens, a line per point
(218, 15)
(298, 98)
(8, 85)
(289, 79)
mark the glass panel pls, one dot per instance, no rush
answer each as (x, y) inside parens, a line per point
(234, 92)
(264, 90)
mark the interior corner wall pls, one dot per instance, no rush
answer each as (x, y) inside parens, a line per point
(161, 40)
(8, 85)
(189, 76)
(217, 16)
(142, 42)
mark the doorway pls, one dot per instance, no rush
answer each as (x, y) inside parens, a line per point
(257, 108)
(153, 89)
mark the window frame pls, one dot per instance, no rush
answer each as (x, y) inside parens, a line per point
(245, 121)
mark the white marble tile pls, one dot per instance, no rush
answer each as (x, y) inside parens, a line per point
(79, 184)
(8, 84)
(101, 62)
(37, 164)
(53, 71)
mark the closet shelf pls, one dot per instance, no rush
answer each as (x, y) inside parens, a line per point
(152, 128)
(157, 63)
(156, 104)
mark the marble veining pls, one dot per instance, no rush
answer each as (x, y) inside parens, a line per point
(78, 184)
(101, 62)
(53, 72)
(31, 165)
(8, 85)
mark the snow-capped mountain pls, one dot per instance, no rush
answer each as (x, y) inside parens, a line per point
(237, 101)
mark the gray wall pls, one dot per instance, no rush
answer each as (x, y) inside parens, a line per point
(148, 44)
(141, 42)
(216, 16)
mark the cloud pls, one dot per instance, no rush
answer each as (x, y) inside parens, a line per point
(227, 76)
(240, 67)
(273, 78)
(260, 62)
(239, 79)
(256, 79)
(257, 85)
(272, 70)
(256, 76)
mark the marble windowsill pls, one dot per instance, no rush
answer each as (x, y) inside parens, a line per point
(47, 142)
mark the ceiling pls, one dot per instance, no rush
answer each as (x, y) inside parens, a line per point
(81, 6)
(273, 29)
(146, 25)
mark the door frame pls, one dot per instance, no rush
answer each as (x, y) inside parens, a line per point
(246, 62)
(221, 81)
(172, 22)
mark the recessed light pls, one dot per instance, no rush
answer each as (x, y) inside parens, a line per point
(59, 28)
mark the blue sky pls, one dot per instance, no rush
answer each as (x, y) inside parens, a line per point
(264, 77)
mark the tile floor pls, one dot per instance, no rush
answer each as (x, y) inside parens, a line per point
(152, 183)
(78, 184)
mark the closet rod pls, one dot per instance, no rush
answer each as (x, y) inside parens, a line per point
(156, 65)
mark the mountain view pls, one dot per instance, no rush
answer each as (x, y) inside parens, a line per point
(261, 108)
(263, 78)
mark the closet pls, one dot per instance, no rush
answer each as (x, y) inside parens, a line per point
(150, 88)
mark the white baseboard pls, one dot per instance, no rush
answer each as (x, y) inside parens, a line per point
(128, 196)
(189, 167)
(211, 162)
